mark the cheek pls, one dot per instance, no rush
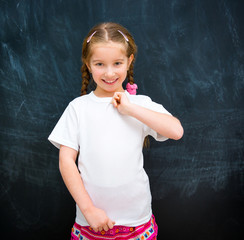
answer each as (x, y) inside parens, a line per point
(97, 72)
(123, 70)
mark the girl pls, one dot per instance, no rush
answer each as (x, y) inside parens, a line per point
(106, 130)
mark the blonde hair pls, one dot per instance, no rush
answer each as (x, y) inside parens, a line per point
(105, 32)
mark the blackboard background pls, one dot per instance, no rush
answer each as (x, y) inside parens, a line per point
(190, 59)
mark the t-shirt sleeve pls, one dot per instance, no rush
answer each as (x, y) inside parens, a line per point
(157, 108)
(66, 130)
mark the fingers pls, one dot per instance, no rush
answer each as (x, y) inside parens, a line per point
(115, 103)
(111, 224)
(98, 220)
(116, 99)
(105, 227)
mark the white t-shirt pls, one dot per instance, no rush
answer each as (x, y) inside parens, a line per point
(110, 155)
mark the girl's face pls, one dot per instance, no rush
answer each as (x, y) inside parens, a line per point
(108, 66)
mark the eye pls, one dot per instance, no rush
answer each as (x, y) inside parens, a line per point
(118, 63)
(99, 64)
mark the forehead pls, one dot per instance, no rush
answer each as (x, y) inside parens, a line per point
(107, 48)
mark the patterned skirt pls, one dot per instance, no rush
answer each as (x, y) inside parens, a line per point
(147, 231)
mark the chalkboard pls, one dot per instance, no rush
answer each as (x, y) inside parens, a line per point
(190, 58)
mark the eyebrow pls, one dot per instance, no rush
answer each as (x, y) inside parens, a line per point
(117, 60)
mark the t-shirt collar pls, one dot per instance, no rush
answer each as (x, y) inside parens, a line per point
(103, 99)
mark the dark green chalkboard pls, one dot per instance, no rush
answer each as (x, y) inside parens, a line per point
(190, 59)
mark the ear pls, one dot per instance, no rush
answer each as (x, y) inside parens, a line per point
(88, 67)
(131, 57)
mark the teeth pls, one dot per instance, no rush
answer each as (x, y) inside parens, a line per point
(110, 81)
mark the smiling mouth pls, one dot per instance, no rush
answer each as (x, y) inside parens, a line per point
(110, 82)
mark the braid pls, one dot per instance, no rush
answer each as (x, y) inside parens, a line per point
(130, 73)
(85, 79)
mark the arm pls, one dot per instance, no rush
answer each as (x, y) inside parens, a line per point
(95, 217)
(164, 124)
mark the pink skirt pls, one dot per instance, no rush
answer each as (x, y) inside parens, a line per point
(147, 231)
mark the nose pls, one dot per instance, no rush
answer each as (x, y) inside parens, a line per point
(109, 72)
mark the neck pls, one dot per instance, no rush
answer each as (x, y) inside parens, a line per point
(106, 94)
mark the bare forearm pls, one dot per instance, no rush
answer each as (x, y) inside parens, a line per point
(95, 217)
(73, 182)
(164, 124)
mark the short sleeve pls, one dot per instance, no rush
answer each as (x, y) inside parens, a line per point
(66, 130)
(157, 108)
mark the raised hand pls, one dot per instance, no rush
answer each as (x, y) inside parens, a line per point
(121, 102)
